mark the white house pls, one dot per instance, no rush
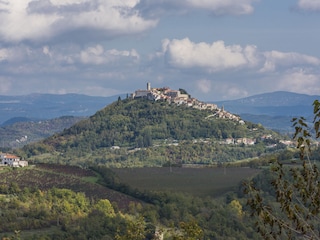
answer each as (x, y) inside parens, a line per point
(12, 160)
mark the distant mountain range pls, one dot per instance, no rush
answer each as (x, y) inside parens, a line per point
(273, 110)
(272, 104)
(49, 106)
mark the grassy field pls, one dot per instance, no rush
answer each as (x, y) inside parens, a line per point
(197, 181)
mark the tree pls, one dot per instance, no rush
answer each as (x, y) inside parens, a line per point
(105, 207)
(183, 91)
(295, 209)
(189, 231)
(135, 230)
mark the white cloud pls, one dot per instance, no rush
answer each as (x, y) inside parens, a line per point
(5, 85)
(309, 5)
(210, 71)
(94, 55)
(235, 71)
(233, 92)
(274, 59)
(225, 90)
(16, 54)
(65, 59)
(101, 91)
(66, 2)
(46, 51)
(4, 54)
(43, 19)
(223, 6)
(300, 81)
(213, 57)
(217, 7)
(204, 85)
(218, 57)
(17, 24)
(97, 55)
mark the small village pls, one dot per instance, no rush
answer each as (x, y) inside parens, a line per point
(176, 97)
(173, 97)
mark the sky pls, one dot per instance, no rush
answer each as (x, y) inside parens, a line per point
(214, 49)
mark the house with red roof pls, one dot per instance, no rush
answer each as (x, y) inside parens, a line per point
(11, 160)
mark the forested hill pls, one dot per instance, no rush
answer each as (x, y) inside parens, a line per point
(138, 123)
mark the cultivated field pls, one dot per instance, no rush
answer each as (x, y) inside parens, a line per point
(46, 176)
(197, 181)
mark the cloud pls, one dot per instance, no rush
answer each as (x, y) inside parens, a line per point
(235, 71)
(223, 6)
(65, 59)
(221, 89)
(3, 54)
(276, 58)
(208, 70)
(37, 20)
(153, 8)
(300, 81)
(5, 85)
(218, 57)
(97, 55)
(309, 5)
(15, 54)
(204, 85)
(213, 57)
(232, 92)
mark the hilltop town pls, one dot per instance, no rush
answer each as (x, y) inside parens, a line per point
(181, 97)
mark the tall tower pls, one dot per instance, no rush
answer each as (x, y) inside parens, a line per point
(148, 86)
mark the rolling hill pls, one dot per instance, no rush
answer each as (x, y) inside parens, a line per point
(21, 115)
(273, 110)
(140, 132)
(20, 131)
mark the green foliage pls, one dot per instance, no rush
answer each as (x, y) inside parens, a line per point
(138, 123)
(183, 91)
(135, 230)
(188, 217)
(47, 176)
(104, 206)
(64, 214)
(292, 209)
(101, 213)
(189, 231)
(34, 130)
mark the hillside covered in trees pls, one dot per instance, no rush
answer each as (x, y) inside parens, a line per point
(140, 132)
(74, 203)
(20, 131)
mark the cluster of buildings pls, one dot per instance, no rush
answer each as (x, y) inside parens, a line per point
(176, 97)
(12, 160)
(22, 139)
(245, 141)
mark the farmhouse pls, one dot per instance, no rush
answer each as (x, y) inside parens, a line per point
(12, 160)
